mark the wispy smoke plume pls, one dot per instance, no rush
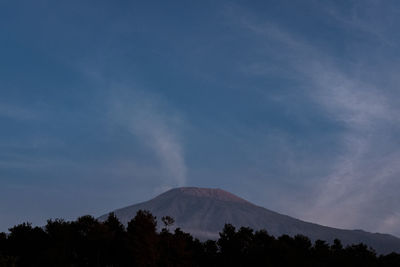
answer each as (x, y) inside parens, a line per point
(156, 125)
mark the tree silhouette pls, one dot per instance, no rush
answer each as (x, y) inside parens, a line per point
(142, 239)
(63, 240)
(115, 242)
(167, 221)
(89, 242)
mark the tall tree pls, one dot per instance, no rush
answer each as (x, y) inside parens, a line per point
(142, 237)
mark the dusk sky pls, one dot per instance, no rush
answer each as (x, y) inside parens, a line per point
(292, 105)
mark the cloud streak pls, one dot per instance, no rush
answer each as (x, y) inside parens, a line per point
(17, 113)
(366, 168)
(360, 190)
(156, 125)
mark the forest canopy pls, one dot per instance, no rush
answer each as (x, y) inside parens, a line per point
(90, 242)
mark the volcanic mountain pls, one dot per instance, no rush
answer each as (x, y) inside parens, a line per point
(203, 213)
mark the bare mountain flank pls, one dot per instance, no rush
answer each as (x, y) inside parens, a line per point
(204, 211)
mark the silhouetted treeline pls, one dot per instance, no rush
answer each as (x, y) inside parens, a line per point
(88, 242)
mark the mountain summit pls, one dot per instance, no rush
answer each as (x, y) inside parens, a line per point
(217, 194)
(203, 212)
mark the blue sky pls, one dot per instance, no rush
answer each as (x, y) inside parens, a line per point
(292, 105)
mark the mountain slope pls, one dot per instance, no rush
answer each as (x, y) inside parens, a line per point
(203, 212)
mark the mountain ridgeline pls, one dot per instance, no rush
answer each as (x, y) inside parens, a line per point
(203, 212)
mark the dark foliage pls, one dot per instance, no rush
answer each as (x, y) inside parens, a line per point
(88, 242)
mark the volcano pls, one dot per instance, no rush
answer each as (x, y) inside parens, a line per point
(203, 212)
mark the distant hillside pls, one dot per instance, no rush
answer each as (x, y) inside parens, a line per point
(203, 212)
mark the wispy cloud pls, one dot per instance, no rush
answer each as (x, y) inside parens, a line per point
(368, 165)
(358, 191)
(158, 126)
(17, 112)
(366, 17)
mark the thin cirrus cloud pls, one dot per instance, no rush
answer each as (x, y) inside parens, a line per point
(16, 112)
(155, 124)
(366, 169)
(368, 166)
